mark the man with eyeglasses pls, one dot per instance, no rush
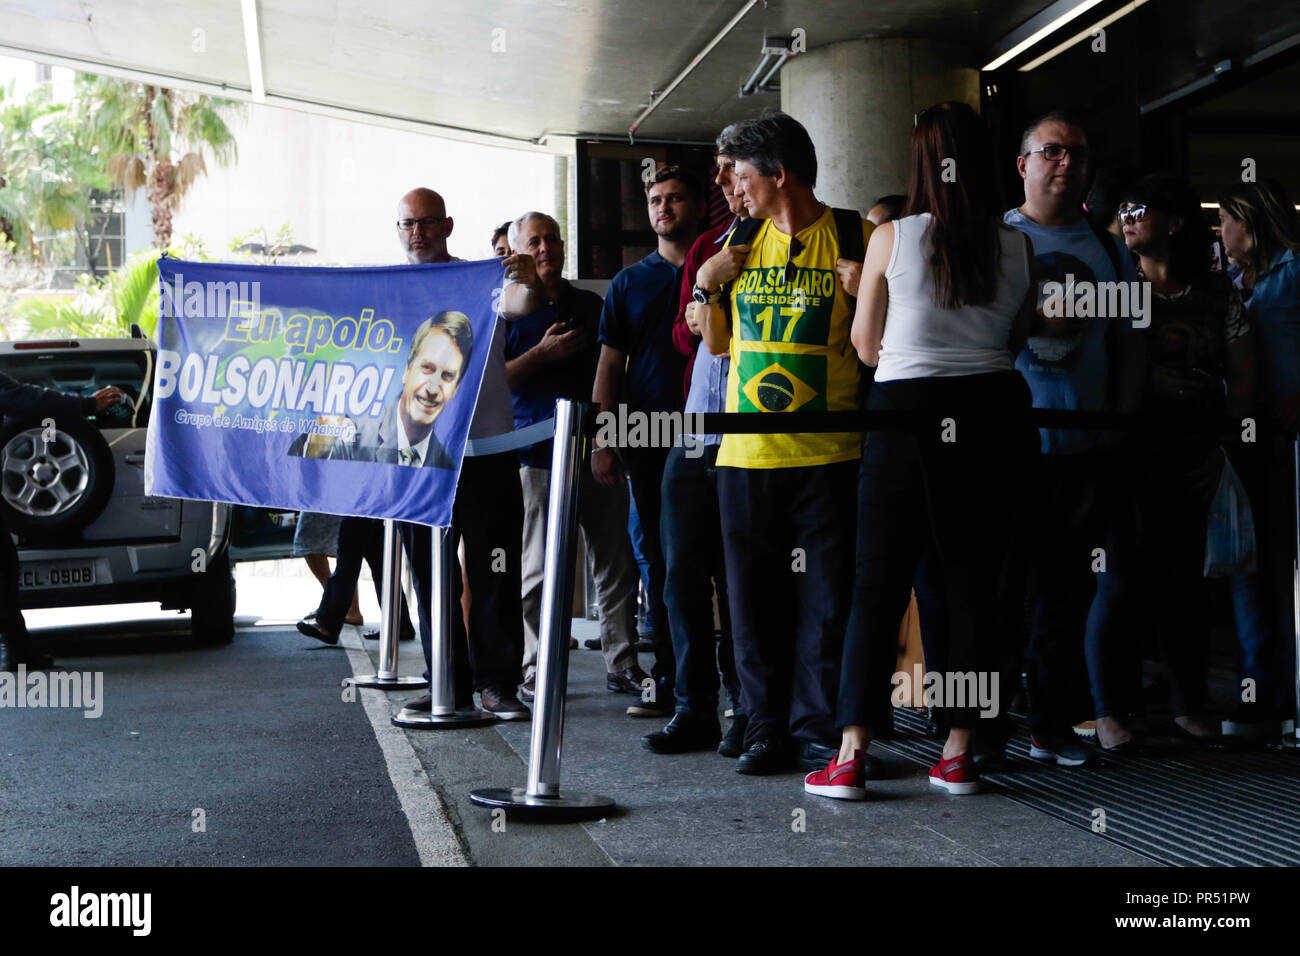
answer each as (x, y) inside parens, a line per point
(1068, 364)
(489, 511)
(777, 307)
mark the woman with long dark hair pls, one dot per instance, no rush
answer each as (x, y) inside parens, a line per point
(1200, 364)
(1261, 237)
(944, 304)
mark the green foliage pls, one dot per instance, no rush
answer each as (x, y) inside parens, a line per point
(48, 168)
(103, 307)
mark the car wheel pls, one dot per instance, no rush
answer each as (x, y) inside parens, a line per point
(53, 481)
(212, 603)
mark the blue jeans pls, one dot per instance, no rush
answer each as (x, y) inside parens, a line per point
(637, 537)
(1262, 600)
(691, 533)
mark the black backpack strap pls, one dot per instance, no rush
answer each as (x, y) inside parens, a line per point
(1108, 243)
(848, 230)
(743, 234)
(848, 226)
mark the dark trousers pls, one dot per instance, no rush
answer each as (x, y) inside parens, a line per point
(645, 472)
(691, 531)
(13, 630)
(917, 492)
(788, 539)
(359, 538)
(489, 517)
(1070, 508)
(1155, 554)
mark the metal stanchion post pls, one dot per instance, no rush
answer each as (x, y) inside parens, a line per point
(387, 677)
(1295, 586)
(542, 799)
(442, 710)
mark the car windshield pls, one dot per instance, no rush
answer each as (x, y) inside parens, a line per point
(84, 372)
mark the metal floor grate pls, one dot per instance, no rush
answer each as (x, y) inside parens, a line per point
(1173, 805)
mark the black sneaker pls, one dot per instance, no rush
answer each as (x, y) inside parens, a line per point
(733, 742)
(1251, 722)
(1060, 749)
(684, 733)
(661, 704)
(766, 756)
(592, 643)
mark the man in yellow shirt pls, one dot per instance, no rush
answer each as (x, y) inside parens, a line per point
(788, 501)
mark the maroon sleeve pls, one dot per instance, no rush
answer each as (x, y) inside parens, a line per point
(683, 338)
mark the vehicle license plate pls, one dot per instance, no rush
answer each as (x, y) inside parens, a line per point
(58, 574)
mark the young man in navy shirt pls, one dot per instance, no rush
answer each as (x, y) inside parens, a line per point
(640, 368)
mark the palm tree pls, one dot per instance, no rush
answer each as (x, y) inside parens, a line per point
(157, 138)
(48, 169)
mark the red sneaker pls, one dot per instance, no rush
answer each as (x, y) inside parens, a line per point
(840, 781)
(958, 775)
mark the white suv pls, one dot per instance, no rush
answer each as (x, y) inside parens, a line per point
(72, 491)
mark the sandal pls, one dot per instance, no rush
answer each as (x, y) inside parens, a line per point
(309, 627)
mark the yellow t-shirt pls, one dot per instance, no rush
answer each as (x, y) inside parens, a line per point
(790, 348)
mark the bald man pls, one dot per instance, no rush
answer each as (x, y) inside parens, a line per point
(489, 511)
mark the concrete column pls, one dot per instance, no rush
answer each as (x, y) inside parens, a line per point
(857, 99)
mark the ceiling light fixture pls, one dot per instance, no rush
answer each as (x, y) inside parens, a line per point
(1077, 11)
(1082, 34)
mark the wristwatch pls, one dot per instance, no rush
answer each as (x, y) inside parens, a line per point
(705, 298)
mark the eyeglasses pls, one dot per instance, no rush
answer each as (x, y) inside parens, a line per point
(791, 270)
(428, 222)
(1132, 212)
(1055, 152)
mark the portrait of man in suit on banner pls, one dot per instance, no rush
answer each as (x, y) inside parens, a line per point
(440, 352)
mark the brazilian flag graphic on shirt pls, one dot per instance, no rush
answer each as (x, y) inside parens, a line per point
(782, 383)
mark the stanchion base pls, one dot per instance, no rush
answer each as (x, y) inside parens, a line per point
(567, 806)
(386, 683)
(423, 720)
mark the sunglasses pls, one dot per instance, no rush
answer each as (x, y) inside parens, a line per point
(791, 270)
(1132, 212)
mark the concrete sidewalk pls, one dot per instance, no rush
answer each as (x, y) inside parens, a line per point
(695, 809)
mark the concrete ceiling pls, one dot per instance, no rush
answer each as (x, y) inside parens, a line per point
(519, 69)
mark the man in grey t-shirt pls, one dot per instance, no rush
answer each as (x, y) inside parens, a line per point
(1067, 363)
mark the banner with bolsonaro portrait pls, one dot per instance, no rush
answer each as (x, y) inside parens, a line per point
(346, 391)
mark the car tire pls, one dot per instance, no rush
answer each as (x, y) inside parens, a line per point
(78, 483)
(212, 603)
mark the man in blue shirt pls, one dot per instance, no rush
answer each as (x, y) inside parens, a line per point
(691, 529)
(640, 368)
(552, 354)
(1067, 363)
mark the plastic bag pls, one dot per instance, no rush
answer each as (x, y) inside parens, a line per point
(1230, 532)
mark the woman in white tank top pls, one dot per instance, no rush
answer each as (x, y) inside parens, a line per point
(945, 301)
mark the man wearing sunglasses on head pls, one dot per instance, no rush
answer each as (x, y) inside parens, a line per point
(1088, 363)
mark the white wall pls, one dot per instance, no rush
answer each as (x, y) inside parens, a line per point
(337, 183)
